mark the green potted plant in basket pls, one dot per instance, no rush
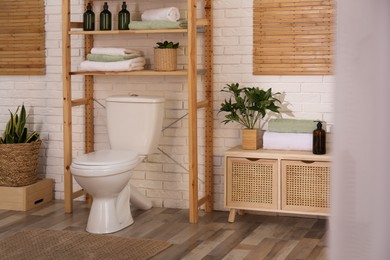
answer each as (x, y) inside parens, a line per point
(247, 106)
(19, 152)
(165, 56)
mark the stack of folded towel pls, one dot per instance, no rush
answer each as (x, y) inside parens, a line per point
(113, 59)
(161, 18)
(289, 134)
(171, 14)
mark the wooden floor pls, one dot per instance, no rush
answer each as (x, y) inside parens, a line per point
(250, 237)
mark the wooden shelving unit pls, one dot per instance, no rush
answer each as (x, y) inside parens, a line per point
(70, 28)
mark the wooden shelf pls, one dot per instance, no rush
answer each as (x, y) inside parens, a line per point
(77, 30)
(132, 73)
(116, 32)
(192, 72)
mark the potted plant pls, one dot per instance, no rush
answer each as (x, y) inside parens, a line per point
(247, 106)
(19, 152)
(165, 56)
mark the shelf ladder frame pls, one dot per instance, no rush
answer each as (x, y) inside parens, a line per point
(193, 106)
(207, 200)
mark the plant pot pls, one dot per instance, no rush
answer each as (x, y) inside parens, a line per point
(165, 59)
(252, 139)
(19, 164)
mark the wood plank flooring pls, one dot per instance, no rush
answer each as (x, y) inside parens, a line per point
(251, 236)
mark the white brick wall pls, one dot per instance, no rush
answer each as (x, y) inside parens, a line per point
(160, 178)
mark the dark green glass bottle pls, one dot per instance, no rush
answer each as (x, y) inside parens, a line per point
(105, 18)
(89, 19)
(123, 18)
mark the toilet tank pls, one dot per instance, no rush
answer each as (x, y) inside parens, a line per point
(134, 122)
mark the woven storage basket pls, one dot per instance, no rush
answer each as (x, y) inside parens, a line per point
(19, 164)
(165, 59)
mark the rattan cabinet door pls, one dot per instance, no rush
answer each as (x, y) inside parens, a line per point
(251, 183)
(305, 186)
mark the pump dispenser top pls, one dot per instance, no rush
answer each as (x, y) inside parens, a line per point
(319, 139)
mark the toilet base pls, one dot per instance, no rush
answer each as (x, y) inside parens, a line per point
(109, 215)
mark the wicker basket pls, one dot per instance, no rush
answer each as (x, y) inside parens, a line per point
(19, 164)
(165, 59)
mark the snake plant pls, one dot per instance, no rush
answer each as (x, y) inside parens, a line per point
(249, 104)
(15, 130)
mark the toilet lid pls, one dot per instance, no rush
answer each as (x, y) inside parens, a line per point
(107, 158)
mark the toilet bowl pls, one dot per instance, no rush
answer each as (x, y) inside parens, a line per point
(105, 175)
(134, 126)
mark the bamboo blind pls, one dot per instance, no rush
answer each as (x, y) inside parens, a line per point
(22, 37)
(293, 37)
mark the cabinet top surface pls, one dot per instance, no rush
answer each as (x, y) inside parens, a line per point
(274, 154)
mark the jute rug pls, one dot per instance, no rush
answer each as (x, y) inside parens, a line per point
(61, 244)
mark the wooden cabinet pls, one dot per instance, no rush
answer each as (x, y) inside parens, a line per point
(277, 181)
(74, 28)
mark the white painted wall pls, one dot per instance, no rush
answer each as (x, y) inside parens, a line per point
(165, 182)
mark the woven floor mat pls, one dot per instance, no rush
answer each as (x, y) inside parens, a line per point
(62, 244)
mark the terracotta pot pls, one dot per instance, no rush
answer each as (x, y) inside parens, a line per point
(252, 139)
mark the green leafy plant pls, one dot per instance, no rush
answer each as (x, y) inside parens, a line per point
(248, 104)
(167, 45)
(15, 130)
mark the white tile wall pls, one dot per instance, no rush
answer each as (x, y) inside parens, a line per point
(159, 178)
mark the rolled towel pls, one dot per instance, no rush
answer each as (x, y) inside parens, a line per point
(114, 51)
(154, 25)
(126, 65)
(110, 58)
(288, 141)
(292, 125)
(162, 14)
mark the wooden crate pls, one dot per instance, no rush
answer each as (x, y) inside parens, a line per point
(26, 197)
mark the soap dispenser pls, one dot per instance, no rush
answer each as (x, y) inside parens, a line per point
(89, 19)
(123, 18)
(319, 139)
(105, 18)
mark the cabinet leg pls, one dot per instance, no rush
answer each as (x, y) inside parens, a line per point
(232, 215)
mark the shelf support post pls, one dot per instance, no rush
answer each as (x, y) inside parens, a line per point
(192, 113)
(67, 107)
(209, 108)
(89, 108)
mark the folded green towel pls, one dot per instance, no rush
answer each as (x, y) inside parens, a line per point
(292, 125)
(155, 25)
(110, 58)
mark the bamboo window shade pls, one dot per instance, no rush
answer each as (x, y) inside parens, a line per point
(293, 37)
(22, 37)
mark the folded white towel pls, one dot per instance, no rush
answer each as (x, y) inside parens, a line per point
(115, 51)
(126, 65)
(162, 14)
(288, 141)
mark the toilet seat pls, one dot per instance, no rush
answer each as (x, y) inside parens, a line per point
(104, 162)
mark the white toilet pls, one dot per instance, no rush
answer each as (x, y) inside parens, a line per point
(134, 126)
